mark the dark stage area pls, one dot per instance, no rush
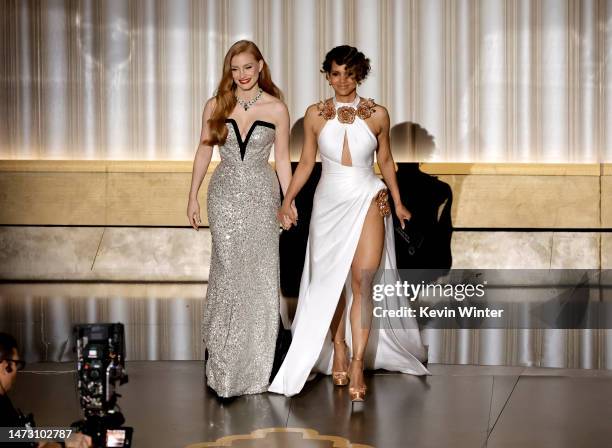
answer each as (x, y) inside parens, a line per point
(460, 406)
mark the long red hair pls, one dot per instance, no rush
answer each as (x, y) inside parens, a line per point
(225, 96)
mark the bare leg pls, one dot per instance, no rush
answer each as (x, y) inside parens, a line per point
(337, 328)
(365, 262)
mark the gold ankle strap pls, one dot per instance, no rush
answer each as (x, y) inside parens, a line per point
(340, 342)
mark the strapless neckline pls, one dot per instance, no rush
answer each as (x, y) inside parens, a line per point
(244, 143)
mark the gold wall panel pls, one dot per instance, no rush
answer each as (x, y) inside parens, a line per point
(606, 201)
(515, 169)
(52, 198)
(155, 193)
(149, 199)
(524, 201)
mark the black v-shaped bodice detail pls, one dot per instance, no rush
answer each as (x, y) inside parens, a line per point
(243, 144)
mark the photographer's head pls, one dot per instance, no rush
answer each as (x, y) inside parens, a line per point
(10, 362)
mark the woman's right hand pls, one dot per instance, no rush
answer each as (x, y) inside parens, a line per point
(193, 213)
(288, 212)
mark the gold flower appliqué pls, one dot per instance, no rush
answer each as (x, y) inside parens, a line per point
(346, 114)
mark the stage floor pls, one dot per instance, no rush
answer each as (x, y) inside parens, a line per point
(458, 406)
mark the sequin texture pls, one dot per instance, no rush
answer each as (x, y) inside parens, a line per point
(241, 316)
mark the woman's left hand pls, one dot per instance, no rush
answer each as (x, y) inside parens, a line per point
(402, 214)
(284, 220)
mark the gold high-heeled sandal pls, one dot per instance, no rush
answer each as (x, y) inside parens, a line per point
(357, 393)
(340, 378)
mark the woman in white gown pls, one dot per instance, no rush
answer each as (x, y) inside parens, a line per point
(351, 236)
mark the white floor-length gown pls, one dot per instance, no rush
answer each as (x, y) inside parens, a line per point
(340, 205)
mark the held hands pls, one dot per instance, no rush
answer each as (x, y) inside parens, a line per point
(295, 212)
(402, 214)
(193, 213)
(287, 215)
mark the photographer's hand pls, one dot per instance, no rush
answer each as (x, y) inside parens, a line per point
(78, 440)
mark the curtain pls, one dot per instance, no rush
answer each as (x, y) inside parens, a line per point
(490, 80)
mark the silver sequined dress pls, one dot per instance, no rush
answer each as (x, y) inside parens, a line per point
(241, 314)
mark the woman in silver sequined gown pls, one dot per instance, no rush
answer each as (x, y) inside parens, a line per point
(241, 314)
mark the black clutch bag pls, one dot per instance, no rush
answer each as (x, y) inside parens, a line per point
(411, 237)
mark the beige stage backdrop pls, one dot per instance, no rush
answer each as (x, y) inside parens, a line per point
(495, 81)
(491, 80)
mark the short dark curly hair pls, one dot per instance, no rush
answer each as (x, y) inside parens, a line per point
(355, 61)
(7, 345)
